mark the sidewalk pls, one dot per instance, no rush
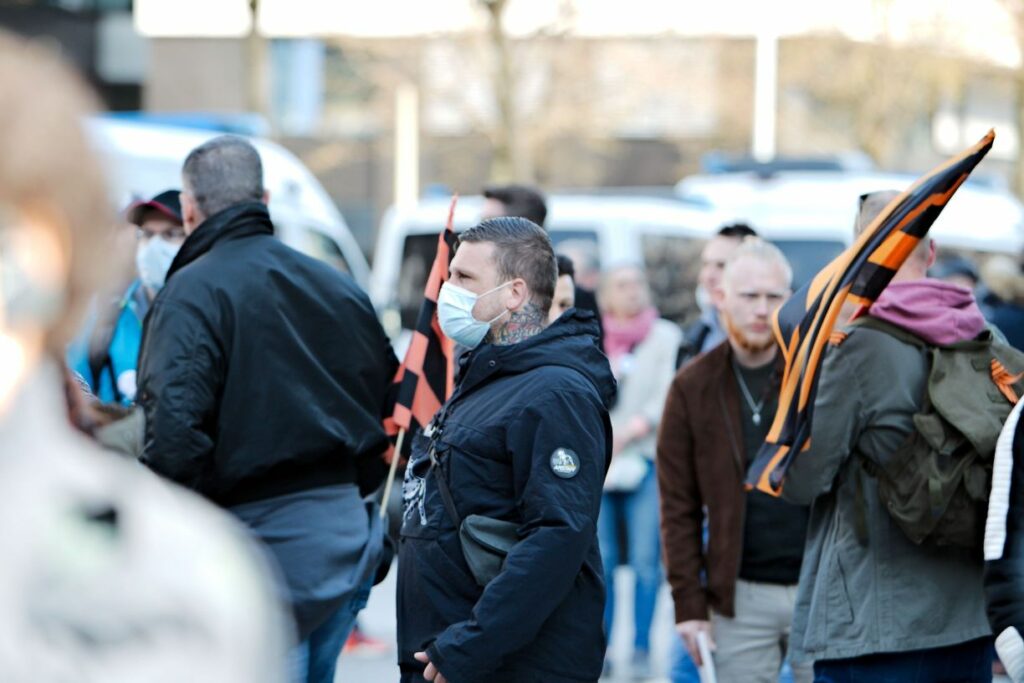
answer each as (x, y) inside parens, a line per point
(378, 620)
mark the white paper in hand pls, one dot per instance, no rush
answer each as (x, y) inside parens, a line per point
(707, 668)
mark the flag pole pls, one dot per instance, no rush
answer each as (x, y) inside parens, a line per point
(396, 455)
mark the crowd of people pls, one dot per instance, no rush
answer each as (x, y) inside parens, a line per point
(236, 534)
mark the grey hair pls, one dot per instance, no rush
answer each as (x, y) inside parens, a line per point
(223, 172)
(755, 247)
(870, 205)
(521, 250)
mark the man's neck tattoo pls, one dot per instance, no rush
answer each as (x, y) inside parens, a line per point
(521, 325)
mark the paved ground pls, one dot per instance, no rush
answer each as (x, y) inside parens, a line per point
(378, 620)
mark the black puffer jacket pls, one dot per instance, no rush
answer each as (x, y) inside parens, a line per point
(526, 438)
(262, 371)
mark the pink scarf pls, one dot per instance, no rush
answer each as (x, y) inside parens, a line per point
(622, 336)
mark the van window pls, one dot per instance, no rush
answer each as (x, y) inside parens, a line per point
(808, 257)
(673, 263)
(581, 246)
(565, 234)
(417, 257)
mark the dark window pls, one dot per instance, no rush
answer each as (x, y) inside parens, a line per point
(808, 257)
(417, 257)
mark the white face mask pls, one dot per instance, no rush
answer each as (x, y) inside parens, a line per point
(153, 259)
(455, 313)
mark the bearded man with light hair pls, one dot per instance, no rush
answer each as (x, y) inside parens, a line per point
(738, 589)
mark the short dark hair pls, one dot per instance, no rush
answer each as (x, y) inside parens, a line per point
(223, 172)
(521, 250)
(520, 200)
(565, 266)
(737, 231)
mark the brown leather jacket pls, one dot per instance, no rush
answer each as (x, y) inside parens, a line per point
(701, 465)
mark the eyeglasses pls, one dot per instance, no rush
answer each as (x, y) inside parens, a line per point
(175, 234)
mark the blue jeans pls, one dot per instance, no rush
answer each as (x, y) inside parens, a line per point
(315, 659)
(969, 662)
(640, 508)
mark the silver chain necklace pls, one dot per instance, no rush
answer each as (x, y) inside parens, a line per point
(755, 408)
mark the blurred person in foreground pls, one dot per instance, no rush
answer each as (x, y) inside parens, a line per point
(641, 348)
(264, 375)
(738, 587)
(527, 202)
(708, 332)
(516, 456)
(564, 298)
(106, 352)
(109, 573)
(872, 603)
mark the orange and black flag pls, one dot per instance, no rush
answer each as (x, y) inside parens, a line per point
(858, 275)
(424, 379)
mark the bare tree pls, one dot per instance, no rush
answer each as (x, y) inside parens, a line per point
(509, 160)
(874, 93)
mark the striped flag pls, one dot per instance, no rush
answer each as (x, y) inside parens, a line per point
(424, 379)
(858, 275)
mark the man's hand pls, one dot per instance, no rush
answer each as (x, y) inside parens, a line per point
(431, 673)
(688, 631)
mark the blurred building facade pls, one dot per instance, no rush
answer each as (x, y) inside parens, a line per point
(602, 95)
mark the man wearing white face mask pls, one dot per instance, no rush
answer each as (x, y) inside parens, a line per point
(107, 351)
(516, 457)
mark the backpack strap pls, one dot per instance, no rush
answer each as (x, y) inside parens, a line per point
(864, 465)
(889, 329)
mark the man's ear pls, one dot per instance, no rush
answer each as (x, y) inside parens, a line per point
(266, 197)
(190, 214)
(518, 294)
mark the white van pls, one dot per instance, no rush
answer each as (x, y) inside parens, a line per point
(143, 159)
(663, 234)
(980, 220)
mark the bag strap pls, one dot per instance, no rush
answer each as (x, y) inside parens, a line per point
(440, 476)
(442, 488)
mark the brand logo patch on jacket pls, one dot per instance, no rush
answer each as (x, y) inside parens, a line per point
(565, 463)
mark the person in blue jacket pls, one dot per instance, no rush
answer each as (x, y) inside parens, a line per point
(106, 353)
(525, 438)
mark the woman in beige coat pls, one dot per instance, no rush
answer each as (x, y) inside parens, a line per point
(642, 350)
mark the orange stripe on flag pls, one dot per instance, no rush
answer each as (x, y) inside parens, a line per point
(764, 484)
(894, 250)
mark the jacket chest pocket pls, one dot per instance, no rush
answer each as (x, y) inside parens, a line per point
(478, 470)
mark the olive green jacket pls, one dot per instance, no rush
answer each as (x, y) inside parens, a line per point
(880, 594)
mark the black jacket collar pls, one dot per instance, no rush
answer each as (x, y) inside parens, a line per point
(240, 220)
(570, 341)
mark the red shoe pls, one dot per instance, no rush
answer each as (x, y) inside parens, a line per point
(359, 643)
